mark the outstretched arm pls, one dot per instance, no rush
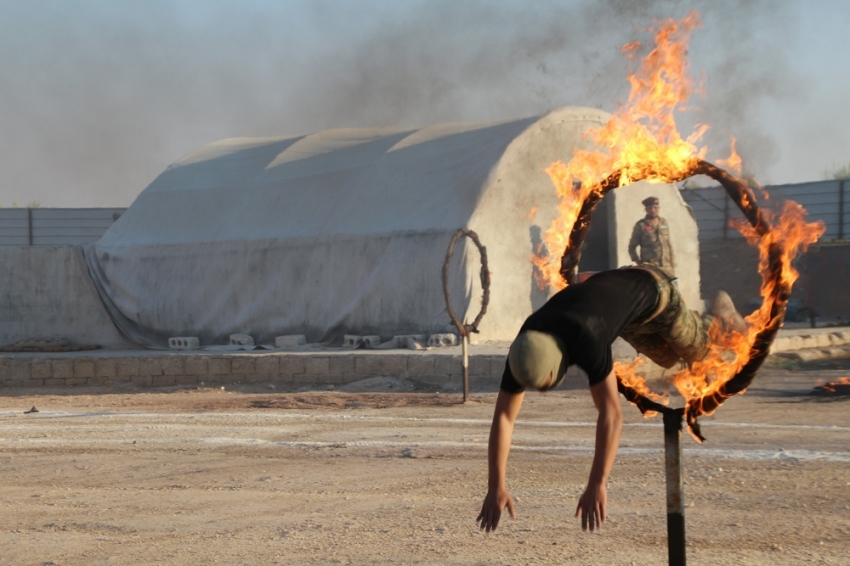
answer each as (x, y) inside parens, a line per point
(609, 424)
(501, 432)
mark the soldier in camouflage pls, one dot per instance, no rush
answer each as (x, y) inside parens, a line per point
(652, 235)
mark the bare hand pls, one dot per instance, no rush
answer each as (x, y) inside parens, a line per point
(591, 506)
(491, 511)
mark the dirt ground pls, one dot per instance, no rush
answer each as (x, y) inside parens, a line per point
(254, 476)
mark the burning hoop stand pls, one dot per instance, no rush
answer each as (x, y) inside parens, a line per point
(464, 329)
(743, 196)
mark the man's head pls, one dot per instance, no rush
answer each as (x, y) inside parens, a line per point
(651, 206)
(538, 360)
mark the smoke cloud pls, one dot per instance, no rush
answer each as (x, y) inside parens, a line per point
(98, 97)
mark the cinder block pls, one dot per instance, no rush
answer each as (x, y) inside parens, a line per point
(184, 343)
(172, 365)
(243, 365)
(151, 366)
(126, 368)
(164, 380)
(106, 367)
(41, 370)
(55, 382)
(219, 366)
(421, 366)
(341, 365)
(478, 366)
(98, 380)
(186, 379)
(241, 340)
(84, 368)
(448, 365)
(292, 364)
(351, 341)
(33, 382)
(290, 341)
(371, 341)
(196, 365)
(143, 380)
(394, 365)
(268, 365)
(442, 340)
(367, 365)
(317, 366)
(75, 381)
(62, 368)
(20, 370)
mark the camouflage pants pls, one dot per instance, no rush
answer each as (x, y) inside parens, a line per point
(673, 331)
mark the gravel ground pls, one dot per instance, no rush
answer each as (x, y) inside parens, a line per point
(245, 475)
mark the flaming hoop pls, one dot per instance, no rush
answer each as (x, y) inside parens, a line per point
(774, 303)
(641, 142)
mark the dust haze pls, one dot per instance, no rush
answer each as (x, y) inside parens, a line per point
(98, 98)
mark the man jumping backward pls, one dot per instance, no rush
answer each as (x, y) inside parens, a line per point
(577, 326)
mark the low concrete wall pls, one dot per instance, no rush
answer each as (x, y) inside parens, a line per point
(149, 368)
(45, 292)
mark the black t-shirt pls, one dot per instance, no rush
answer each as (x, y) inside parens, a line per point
(589, 316)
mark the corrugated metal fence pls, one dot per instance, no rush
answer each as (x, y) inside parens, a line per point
(824, 200)
(54, 226)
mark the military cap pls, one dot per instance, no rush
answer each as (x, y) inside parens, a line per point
(650, 201)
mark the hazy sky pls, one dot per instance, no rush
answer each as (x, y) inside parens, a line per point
(97, 97)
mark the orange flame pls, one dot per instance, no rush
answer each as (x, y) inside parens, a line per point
(789, 234)
(641, 142)
(832, 386)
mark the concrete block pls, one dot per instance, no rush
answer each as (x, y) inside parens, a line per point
(151, 366)
(351, 341)
(41, 370)
(241, 340)
(126, 368)
(317, 366)
(62, 368)
(84, 368)
(367, 365)
(372, 341)
(341, 365)
(442, 340)
(106, 367)
(98, 380)
(290, 341)
(55, 382)
(184, 343)
(186, 379)
(421, 366)
(268, 365)
(33, 382)
(164, 380)
(219, 366)
(143, 380)
(196, 365)
(75, 381)
(395, 366)
(173, 365)
(20, 370)
(292, 364)
(448, 365)
(243, 365)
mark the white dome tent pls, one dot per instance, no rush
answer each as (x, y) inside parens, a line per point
(338, 232)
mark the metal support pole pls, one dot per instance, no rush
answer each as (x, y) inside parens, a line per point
(29, 224)
(675, 488)
(465, 342)
(841, 210)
